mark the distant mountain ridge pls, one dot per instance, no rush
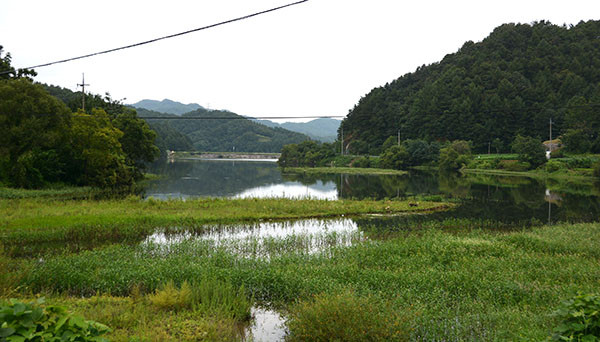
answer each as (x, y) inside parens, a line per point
(222, 131)
(167, 106)
(324, 130)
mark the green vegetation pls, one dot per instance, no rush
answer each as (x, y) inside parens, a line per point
(579, 319)
(35, 322)
(343, 170)
(210, 296)
(513, 82)
(529, 150)
(455, 156)
(43, 142)
(569, 166)
(347, 317)
(217, 131)
(461, 285)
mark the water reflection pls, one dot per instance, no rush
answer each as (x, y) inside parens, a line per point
(511, 201)
(262, 240)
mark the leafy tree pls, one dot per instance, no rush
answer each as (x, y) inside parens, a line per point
(137, 140)
(9, 72)
(530, 150)
(395, 157)
(576, 141)
(33, 129)
(455, 156)
(421, 152)
(389, 142)
(97, 151)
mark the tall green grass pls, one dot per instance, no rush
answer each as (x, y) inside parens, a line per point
(473, 285)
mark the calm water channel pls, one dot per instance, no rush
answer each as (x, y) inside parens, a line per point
(484, 201)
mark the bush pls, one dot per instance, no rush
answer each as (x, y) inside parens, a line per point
(555, 165)
(455, 156)
(34, 322)
(530, 150)
(364, 162)
(346, 317)
(579, 319)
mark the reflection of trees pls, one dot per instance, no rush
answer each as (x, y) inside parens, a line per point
(214, 178)
(454, 184)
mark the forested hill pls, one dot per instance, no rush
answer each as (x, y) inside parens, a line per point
(214, 130)
(167, 106)
(513, 82)
(323, 129)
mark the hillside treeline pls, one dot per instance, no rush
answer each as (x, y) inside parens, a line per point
(224, 131)
(43, 141)
(511, 83)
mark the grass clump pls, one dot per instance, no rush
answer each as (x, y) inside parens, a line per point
(210, 296)
(346, 317)
(169, 297)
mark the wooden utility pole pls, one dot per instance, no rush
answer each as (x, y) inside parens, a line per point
(342, 143)
(550, 133)
(398, 137)
(82, 85)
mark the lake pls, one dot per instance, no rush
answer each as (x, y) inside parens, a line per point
(500, 201)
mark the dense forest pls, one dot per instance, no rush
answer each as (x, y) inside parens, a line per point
(513, 82)
(43, 141)
(223, 131)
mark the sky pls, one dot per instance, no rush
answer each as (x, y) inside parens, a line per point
(317, 58)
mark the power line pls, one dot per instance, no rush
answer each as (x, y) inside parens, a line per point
(236, 117)
(162, 38)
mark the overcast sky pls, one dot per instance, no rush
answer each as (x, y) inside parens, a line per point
(316, 58)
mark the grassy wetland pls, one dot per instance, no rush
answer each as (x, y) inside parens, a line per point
(197, 269)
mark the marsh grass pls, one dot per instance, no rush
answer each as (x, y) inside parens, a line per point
(472, 285)
(209, 296)
(139, 320)
(347, 317)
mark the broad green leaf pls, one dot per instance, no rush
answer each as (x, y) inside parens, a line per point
(4, 332)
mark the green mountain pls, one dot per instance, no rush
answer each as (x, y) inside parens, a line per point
(324, 130)
(214, 130)
(167, 106)
(513, 82)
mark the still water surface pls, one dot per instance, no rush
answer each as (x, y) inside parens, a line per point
(505, 199)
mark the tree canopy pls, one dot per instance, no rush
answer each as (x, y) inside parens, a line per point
(43, 141)
(513, 82)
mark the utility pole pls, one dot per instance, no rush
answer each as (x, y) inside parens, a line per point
(398, 137)
(342, 143)
(489, 147)
(551, 132)
(82, 85)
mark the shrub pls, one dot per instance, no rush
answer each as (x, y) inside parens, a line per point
(455, 156)
(555, 165)
(34, 322)
(364, 162)
(530, 150)
(346, 317)
(579, 319)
